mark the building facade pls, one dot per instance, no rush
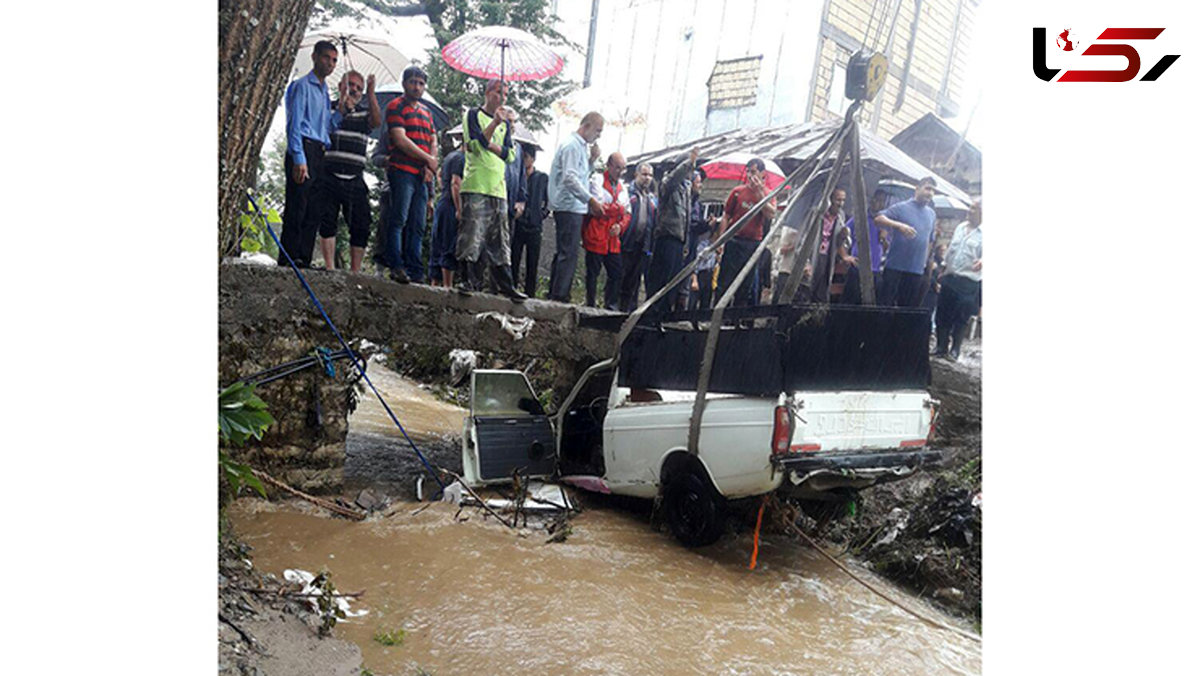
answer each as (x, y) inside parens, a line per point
(701, 67)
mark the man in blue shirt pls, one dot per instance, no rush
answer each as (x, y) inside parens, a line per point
(310, 119)
(912, 222)
(570, 199)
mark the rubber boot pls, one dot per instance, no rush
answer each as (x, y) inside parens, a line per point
(502, 275)
(463, 285)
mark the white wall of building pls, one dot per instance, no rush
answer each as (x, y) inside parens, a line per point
(659, 54)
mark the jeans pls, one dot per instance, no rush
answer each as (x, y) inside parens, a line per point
(612, 282)
(957, 303)
(901, 289)
(702, 299)
(406, 223)
(737, 254)
(633, 264)
(666, 262)
(568, 230)
(531, 242)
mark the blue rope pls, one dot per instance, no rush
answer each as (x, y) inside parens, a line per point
(323, 355)
(362, 371)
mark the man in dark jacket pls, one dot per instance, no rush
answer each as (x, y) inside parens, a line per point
(635, 243)
(670, 232)
(527, 229)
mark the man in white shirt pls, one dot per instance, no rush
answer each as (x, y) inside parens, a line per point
(962, 283)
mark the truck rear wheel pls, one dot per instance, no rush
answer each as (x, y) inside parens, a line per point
(695, 513)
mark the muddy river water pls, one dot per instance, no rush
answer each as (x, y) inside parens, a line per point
(616, 597)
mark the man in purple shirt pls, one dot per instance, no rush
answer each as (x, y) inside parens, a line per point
(309, 122)
(878, 245)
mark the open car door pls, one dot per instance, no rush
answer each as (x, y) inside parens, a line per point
(507, 430)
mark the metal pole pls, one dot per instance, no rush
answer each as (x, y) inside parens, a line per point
(862, 235)
(591, 48)
(714, 327)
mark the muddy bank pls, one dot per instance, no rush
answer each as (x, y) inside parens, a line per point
(264, 633)
(926, 532)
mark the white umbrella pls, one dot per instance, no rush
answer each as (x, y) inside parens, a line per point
(366, 54)
(616, 113)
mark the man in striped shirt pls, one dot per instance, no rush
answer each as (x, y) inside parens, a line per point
(412, 161)
(343, 189)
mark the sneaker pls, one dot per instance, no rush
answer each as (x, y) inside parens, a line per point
(398, 275)
(938, 353)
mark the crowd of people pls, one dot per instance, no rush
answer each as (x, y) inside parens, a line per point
(639, 235)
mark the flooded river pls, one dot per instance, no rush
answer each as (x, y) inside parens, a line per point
(616, 597)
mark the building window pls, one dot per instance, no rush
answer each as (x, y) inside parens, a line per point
(734, 83)
(836, 101)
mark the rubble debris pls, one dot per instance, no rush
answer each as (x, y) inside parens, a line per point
(517, 327)
(462, 363)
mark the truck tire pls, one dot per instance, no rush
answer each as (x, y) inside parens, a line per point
(694, 511)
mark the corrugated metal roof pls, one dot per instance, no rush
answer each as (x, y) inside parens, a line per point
(790, 144)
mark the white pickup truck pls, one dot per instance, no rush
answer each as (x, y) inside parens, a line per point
(613, 439)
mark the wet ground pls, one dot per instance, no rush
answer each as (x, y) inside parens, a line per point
(617, 597)
(378, 455)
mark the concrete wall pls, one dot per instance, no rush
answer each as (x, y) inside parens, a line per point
(266, 319)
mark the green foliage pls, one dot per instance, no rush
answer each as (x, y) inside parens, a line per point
(241, 414)
(238, 475)
(327, 605)
(389, 638)
(457, 91)
(255, 237)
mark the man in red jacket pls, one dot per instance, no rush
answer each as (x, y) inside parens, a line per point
(602, 234)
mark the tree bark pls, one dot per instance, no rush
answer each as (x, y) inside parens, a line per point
(258, 40)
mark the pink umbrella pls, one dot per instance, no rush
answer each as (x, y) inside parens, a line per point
(502, 52)
(732, 167)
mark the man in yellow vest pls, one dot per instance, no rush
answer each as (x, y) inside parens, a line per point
(483, 236)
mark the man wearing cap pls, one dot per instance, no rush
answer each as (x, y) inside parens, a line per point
(309, 122)
(483, 234)
(527, 230)
(412, 161)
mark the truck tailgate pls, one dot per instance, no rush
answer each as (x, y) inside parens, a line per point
(861, 421)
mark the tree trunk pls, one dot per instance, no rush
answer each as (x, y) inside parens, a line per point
(257, 47)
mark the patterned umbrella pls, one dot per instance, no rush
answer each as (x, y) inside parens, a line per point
(502, 52)
(732, 166)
